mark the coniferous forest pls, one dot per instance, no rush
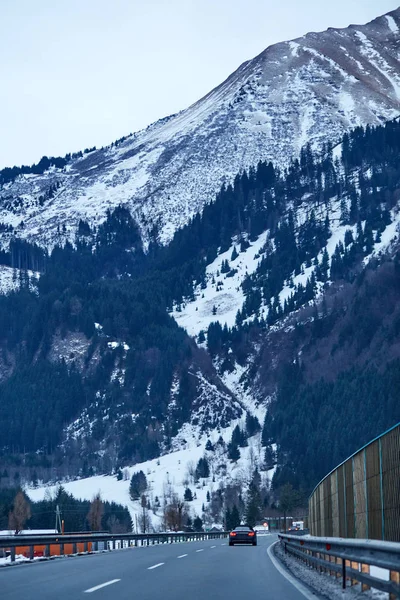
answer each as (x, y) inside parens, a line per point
(107, 278)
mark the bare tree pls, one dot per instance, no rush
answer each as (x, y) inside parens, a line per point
(144, 519)
(115, 526)
(190, 471)
(252, 458)
(20, 513)
(168, 492)
(175, 514)
(95, 513)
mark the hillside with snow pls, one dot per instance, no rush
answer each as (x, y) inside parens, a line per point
(171, 474)
(267, 314)
(311, 89)
(270, 274)
(223, 295)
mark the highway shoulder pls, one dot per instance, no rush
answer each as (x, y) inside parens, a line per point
(301, 587)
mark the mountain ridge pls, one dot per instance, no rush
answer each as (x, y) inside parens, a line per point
(310, 89)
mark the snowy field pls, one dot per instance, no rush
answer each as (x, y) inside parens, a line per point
(171, 474)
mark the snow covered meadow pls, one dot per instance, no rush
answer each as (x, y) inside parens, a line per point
(171, 475)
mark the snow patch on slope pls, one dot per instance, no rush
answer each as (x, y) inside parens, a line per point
(392, 24)
(197, 315)
(12, 279)
(377, 60)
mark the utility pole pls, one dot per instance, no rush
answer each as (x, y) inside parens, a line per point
(58, 526)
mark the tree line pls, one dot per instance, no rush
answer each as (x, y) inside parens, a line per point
(17, 512)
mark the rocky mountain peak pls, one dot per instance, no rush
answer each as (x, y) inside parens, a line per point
(311, 89)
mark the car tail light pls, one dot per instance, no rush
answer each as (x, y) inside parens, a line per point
(232, 533)
(251, 533)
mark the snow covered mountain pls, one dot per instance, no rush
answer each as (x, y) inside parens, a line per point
(268, 275)
(311, 89)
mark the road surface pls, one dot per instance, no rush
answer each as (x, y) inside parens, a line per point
(185, 571)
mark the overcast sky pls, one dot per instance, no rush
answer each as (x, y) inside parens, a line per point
(78, 73)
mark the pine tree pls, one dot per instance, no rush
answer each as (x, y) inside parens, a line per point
(202, 469)
(233, 452)
(252, 425)
(137, 485)
(348, 237)
(344, 212)
(368, 239)
(267, 435)
(324, 266)
(228, 520)
(269, 457)
(289, 498)
(225, 268)
(188, 496)
(253, 505)
(235, 517)
(209, 447)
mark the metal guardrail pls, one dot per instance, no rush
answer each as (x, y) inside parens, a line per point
(10, 543)
(297, 533)
(349, 558)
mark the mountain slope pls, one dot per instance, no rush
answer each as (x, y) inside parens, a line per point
(96, 326)
(311, 89)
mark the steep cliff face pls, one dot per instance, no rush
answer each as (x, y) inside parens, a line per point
(311, 89)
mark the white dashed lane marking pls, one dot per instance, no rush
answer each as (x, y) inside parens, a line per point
(213, 546)
(202, 550)
(98, 587)
(155, 566)
(182, 556)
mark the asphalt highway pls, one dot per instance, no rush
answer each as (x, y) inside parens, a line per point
(186, 571)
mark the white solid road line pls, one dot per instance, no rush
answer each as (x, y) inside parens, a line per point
(295, 582)
(202, 550)
(155, 566)
(182, 556)
(98, 587)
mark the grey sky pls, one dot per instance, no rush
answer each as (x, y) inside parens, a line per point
(85, 72)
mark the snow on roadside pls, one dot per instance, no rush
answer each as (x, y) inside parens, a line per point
(322, 583)
(19, 558)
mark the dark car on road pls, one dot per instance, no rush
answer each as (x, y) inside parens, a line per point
(243, 535)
